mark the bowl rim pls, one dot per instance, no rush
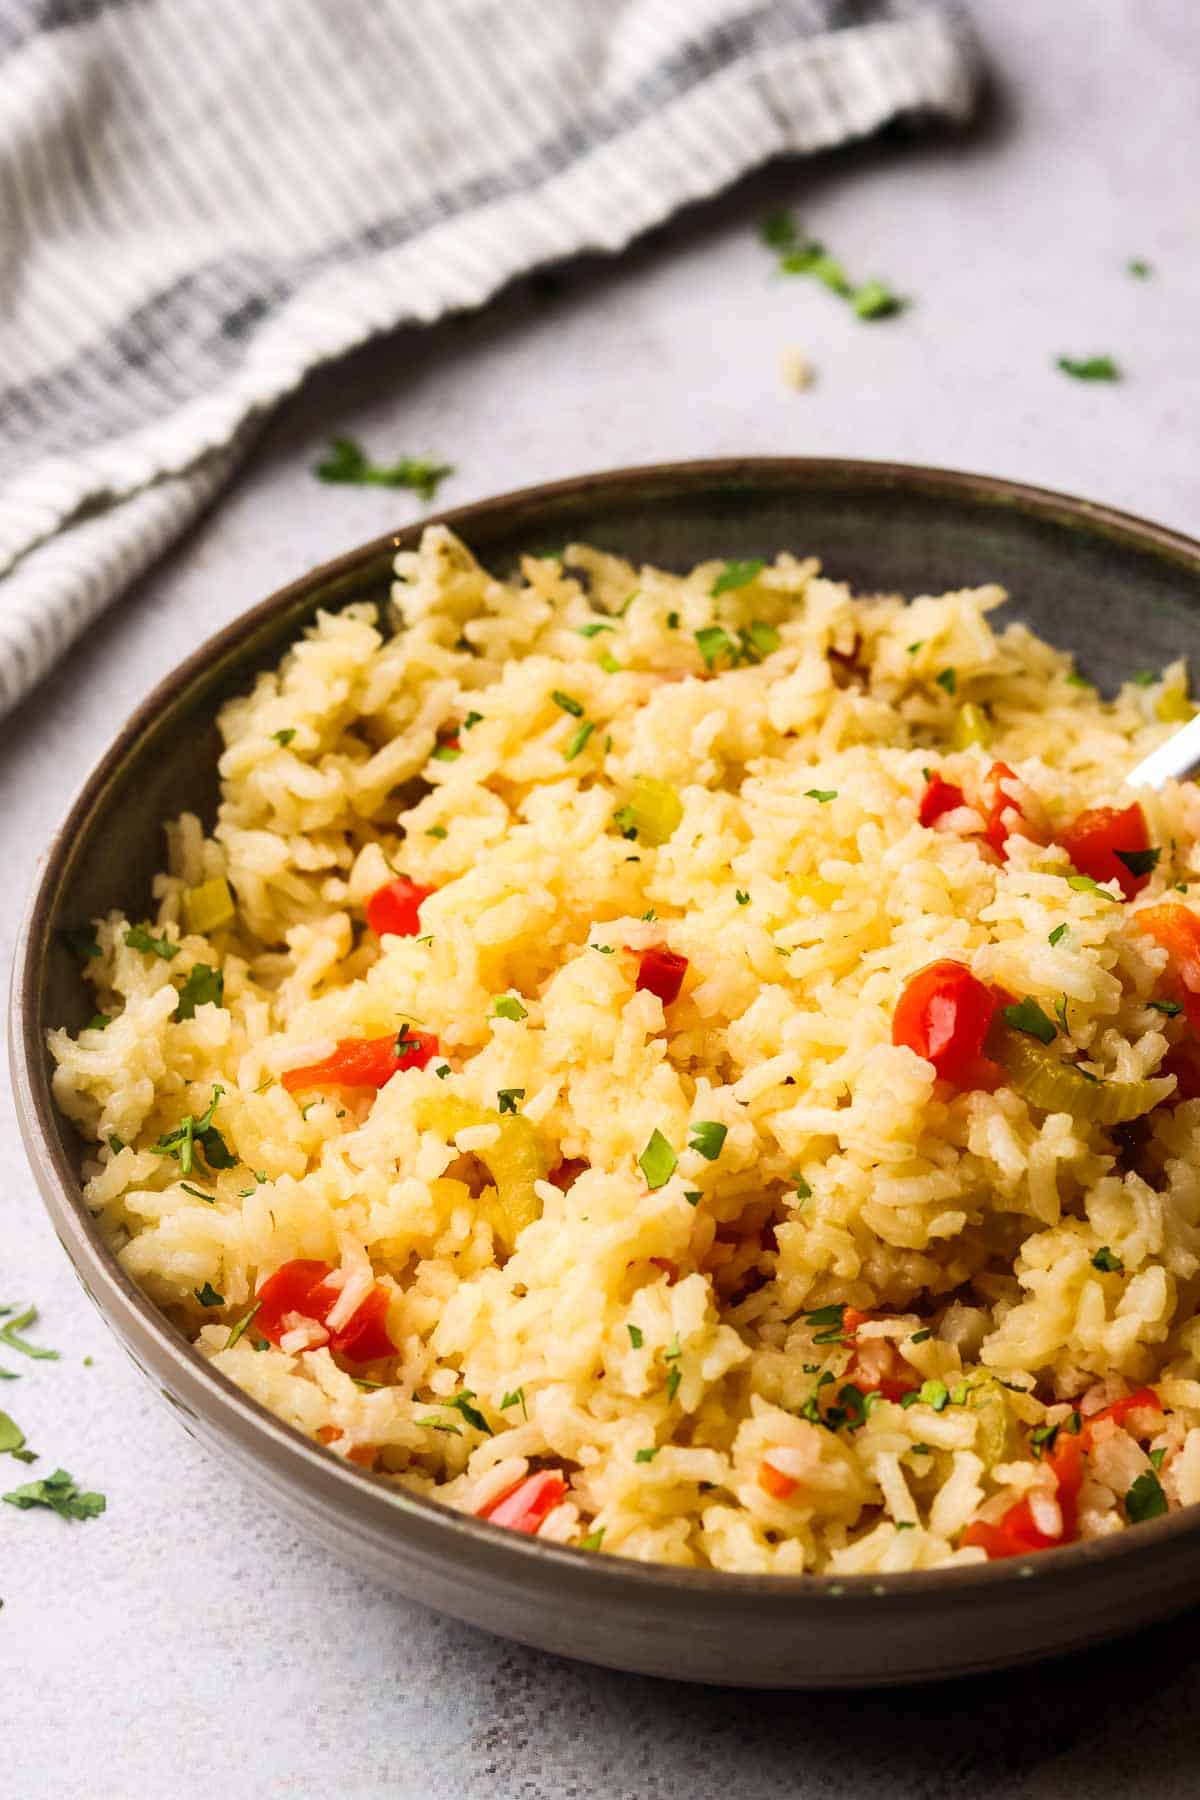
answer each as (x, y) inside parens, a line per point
(425, 1523)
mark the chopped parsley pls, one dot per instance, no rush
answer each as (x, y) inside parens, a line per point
(594, 629)
(284, 737)
(1156, 1459)
(1059, 933)
(625, 820)
(611, 666)
(347, 462)
(440, 1425)
(658, 1161)
(1145, 1499)
(830, 1323)
(635, 1336)
(673, 1381)
(203, 987)
(948, 679)
(693, 1196)
(713, 641)
(506, 1099)
(437, 831)
(1083, 884)
(822, 794)
(803, 1191)
(736, 575)
(509, 1007)
(1171, 1008)
(516, 1398)
(472, 720)
(764, 637)
(741, 896)
(208, 1295)
(604, 949)
(1089, 368)
(913, 648)
(191, 1133)
(9, 1335)
(1138, 269)
(1027, 1016)
(1139, 862)
(875, 300)
(462, 1403)
(672, 621)
(12, 1440)
(61, 1493)
(99, 1021)
(405, 1045)
(935, 1394)
(920, 1337)
(116, 1142)
(708, 1137)
(80, 940)
(1143, 678)
(593, 1540)
(568, 703)
(138, 938)
(578, 739)
(1107, 1261)
(237, 1330)
(198, 1194)
(647, 1456)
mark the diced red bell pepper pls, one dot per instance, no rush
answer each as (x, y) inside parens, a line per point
(1093, 840)
(661, 971)
(302, 1286)
(1003, 814)
(877, 1367)
(944, 1014)
(395, 909)
(939, 797)
(1144, 1400)
(1177, 929)
(525, 1506)
(773, 1481)
(365, 1062)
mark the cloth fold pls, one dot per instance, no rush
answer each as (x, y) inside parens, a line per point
(203, 200)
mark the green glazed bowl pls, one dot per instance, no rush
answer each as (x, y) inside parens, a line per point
(1119, 592)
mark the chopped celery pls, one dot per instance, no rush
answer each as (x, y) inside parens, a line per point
(655, 807)
(208, 906)
(514, 1161)
(971, 726)
(1054, 1086)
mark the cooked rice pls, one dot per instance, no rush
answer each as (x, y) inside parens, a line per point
(627, 1320)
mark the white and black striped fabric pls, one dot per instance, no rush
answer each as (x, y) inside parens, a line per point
(200, 200)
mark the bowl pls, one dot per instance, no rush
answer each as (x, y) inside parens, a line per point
(1118, 591)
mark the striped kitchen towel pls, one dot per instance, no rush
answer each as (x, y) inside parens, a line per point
(201, 200)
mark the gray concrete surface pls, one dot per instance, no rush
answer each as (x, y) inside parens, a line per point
(187, 1643)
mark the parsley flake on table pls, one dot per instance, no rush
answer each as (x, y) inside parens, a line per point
(347, 462)
(509, 1007)
(12, 1440)
(61, 1493)
(203, 987)
(658, 1161)
(875, 300)
(10, 1335)
(1027, 1016)
(1089, 368)
(1138, 269)
(708, 1137)
(737, 575)
(139, 938)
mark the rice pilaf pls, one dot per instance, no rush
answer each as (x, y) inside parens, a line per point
(698, 1067)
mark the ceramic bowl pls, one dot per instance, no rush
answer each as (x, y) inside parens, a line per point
(1120, 592)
